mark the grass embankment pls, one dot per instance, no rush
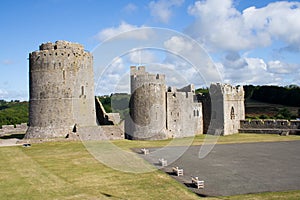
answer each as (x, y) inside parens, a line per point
(66, 170)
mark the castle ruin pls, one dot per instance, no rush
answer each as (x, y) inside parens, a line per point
(62, 102)
(158, 112)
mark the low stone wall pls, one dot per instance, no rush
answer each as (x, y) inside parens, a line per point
(96, 133)
(270, 126)
(8, 129)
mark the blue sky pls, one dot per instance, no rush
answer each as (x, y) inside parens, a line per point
(250, 42)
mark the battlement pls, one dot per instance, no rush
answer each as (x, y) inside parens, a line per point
(7, 129)
(140, 78)
(141, 71)
(60, 44)
(270, 123)
(59, 49)
(227, 89)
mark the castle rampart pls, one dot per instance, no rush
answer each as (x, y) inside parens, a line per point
(273, 126)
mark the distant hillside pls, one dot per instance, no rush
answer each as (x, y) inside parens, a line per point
(289, 95)
(117, 103)
(13, 112)
(275, 102)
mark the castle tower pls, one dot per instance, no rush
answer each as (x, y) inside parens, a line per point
(61, 82)
(227, 109)
(147, 106)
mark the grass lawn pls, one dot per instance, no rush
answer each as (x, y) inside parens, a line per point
(66, 170)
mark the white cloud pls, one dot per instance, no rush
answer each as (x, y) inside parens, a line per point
(13, 95)
(256, 71)
(192, 53)
(124, 27)
(178, 44)
(130, 8)
(140, 57)
(162, 9)
(279, 67)
(234, 60)
(221, 26)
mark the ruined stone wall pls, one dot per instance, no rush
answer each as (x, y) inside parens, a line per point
(147, 119)
(8, 129)
(184, 114)
(227, 109)
(61, 90)
(269, 126)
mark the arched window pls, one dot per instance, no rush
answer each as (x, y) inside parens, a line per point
(197, 113)
(232, 113)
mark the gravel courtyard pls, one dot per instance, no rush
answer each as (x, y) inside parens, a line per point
(231, 169)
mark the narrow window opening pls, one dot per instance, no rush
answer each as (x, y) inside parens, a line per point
(64, 74)
(82, 90)
(232, 113)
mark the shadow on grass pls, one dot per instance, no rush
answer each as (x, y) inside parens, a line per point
(191, 185)
(17, 136)
(109, 195)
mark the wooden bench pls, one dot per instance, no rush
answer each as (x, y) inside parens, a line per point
(197, 183)
(177, 171)
(162, 162)
(145, 151)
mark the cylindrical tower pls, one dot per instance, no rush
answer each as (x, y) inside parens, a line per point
(61, 90)
(147, 106)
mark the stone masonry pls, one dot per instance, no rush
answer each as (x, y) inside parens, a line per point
(159, 113)
(61, 90)
(62, 102)
(227, 109)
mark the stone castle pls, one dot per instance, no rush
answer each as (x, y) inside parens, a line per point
(62, 100)
(160, 112)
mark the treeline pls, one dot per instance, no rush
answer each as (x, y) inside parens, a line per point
(13, 112)
(116, 103)
(288, 95)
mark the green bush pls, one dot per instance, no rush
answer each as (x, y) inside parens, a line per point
(14, 112)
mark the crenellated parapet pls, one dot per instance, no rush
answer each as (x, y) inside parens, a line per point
(139, 78)
(60, 55)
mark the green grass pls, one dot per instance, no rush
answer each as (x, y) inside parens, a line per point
(66, 170)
